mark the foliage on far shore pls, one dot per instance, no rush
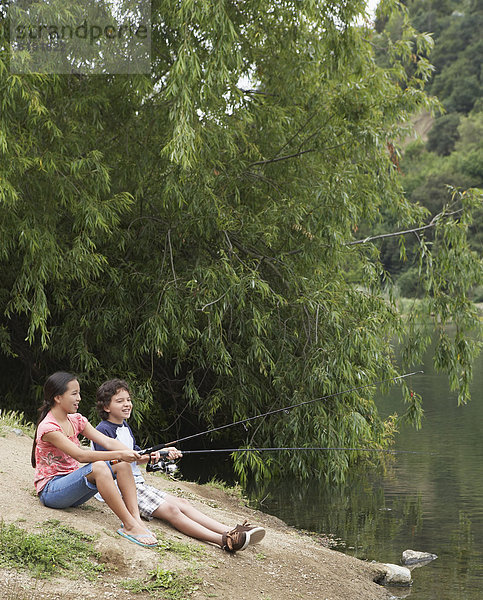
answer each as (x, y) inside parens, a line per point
(452, 154)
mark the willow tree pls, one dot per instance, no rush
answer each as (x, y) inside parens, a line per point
(195, 230)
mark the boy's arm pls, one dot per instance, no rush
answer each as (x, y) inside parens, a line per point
(104, 428)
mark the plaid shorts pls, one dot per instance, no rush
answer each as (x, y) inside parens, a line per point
(149, 499)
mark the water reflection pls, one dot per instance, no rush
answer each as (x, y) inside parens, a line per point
(430, 502)
(377, 517)
(358, 512)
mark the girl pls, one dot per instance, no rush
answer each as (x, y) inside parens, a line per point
(60, 481)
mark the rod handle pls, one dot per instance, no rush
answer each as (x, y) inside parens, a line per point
(148, 450)
(160, 449)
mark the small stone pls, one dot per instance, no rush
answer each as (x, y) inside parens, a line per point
(410, 557)
(394, 575)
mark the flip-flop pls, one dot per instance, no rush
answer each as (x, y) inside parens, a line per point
(137, 538)
(145, 529)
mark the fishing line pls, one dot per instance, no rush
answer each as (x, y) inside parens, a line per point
(272, 412)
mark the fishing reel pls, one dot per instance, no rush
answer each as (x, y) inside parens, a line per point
(165, 466)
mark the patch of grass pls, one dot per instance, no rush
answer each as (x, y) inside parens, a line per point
(260, 556)
(235, 490)
(164, 584)
(56, 549)
(181, 549)
(10, 419)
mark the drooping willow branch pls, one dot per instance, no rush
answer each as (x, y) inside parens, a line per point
(295, 155)
(416, 230)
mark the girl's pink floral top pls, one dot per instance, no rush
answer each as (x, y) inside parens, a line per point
(50, 460)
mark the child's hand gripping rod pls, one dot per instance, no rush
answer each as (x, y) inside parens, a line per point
(161, 449)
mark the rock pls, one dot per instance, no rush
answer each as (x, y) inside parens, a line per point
(411, 557)
(394, 575)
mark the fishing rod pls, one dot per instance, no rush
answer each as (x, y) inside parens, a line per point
(272, 412)
(170, 467)
(388, 451)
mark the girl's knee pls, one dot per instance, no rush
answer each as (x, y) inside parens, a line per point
(100, 469)
(99, 466)
(123, 467)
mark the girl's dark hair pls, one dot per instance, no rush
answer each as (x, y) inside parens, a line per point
(105, 392)
(56, 385)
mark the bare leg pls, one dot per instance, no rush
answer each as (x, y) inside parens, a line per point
(172, 513)
(190, 521)
(195, 515)
(125, 506)
(127, 487)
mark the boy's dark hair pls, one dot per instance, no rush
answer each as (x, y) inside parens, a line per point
(105, 392)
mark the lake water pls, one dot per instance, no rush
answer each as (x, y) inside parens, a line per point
(430, 502)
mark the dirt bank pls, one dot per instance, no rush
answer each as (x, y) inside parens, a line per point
(287, 565)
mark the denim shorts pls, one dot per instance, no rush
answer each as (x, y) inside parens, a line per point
(72, 489)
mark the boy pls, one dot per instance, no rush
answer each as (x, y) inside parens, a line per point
(114, 406)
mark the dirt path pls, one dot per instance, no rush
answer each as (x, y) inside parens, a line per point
(287, 565)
